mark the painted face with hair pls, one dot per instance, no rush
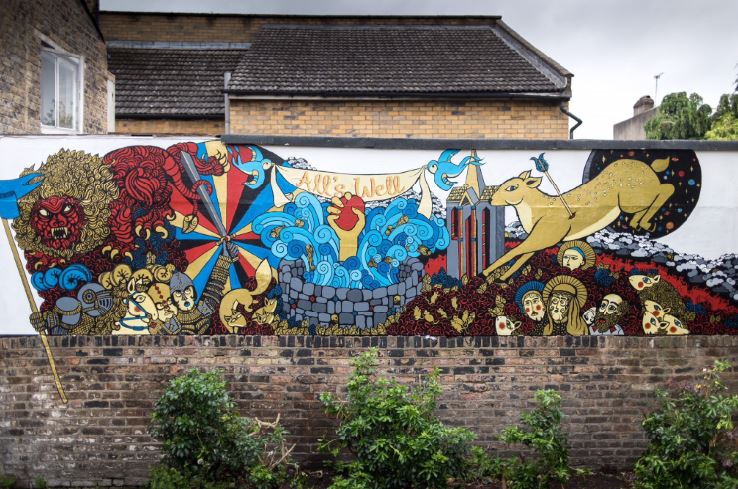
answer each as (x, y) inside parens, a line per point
(533, 305)
(611, 309)
(572, 259)
(58, 221)
(558, 306)
(183, 292)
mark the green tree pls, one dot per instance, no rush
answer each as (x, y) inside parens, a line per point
(680, 117)
(725, 119)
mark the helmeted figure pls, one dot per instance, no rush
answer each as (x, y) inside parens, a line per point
(194, 316)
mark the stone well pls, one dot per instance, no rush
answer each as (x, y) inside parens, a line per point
(364, 308)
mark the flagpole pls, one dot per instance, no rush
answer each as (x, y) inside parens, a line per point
(34, 308)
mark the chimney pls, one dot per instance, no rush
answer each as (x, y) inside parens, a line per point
(644, 104)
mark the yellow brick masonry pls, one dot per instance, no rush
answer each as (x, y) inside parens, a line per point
(234, 28)
(208, 127)
(503, 119)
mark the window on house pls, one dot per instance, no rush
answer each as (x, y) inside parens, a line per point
(60, 91)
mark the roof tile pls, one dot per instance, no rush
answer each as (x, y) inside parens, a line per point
(382, 60)
(170, 82)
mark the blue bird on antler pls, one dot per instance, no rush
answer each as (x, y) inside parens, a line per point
(443, 167)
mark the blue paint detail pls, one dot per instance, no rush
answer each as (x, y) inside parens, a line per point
(194, 235)
(12, 190)
(443, 168)
(201, 279)
(261, 204)
(235, 282)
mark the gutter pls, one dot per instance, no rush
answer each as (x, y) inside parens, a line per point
(579, 121)
(400, 96)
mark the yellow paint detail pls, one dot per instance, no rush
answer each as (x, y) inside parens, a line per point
(178, 221)
(199, 263)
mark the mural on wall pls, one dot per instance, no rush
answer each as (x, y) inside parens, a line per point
(210, 238)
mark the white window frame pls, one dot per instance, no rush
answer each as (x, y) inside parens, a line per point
(52, 48)
(111, 104)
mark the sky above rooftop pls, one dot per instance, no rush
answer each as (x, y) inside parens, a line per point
(613, 47)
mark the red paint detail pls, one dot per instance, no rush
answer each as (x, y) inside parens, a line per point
(193, 254)
(435, 264)
(250, 270)
(250, 235)
(347, 219)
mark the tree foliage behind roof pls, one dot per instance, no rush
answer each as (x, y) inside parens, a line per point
(680, 117)
(725, 119)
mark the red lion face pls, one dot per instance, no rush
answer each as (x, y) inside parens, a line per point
(58, 221)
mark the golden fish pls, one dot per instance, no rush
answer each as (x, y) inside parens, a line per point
(276, 232)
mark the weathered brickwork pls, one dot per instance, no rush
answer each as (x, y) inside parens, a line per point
(112, 382)
(65, 23)
(208, 127)
(234, 28)
(401, 119)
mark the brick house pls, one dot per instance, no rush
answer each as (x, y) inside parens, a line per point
(55, 72)
(393, 77)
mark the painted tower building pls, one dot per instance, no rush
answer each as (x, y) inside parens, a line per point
(476, 227)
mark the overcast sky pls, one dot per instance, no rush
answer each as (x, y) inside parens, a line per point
(613, 47)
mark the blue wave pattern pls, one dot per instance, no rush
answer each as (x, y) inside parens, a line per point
(67, 278)
(392, 235)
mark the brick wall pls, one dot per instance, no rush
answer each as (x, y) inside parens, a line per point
(207, 127)
(67, 24)
(233, 28)
(401, 119)
(112, 382)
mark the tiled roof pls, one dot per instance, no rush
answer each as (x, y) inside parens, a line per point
(170, 82)
(457, 193)
(395, 60)
(487, 193)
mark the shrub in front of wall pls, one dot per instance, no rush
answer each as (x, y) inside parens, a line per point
(207, 444)
(392, 435)
(7, 481)
(693, 443)
(541, 432)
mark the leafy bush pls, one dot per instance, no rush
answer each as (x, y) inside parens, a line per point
(40, 483)
(391, 432)
(208, 445)
(7, 480)
(692, 439)
(542, 433)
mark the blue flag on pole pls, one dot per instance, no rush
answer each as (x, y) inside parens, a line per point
(12, 190)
